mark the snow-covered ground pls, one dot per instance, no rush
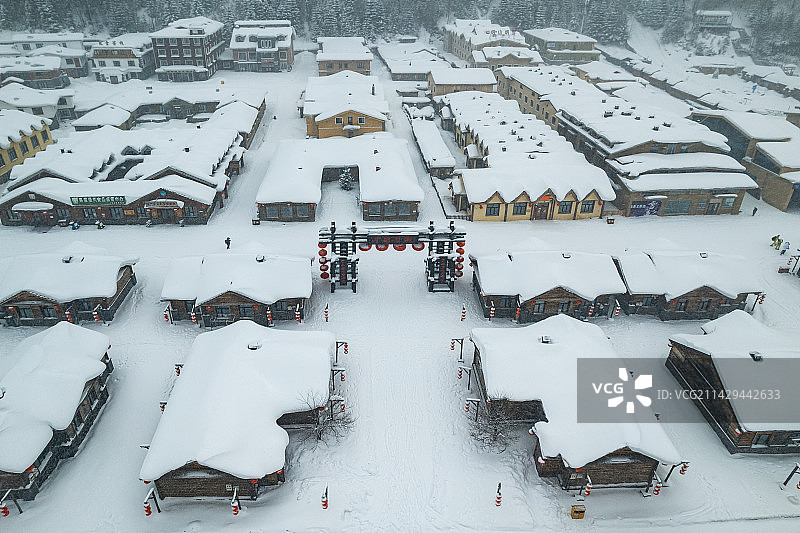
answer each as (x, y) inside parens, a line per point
(409, 463)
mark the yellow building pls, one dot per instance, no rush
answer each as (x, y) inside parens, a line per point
(21, 136)
(349, 121)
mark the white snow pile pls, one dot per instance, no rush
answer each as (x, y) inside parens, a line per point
(731, 339)
(43, 390)
(14, 124)
(433, 148)
(72, 273)
(690, 180)
(518, 366)
(16, 95)
(260, 277)
(385, 170)
(462, 76)
(531, 273)
(223, 410)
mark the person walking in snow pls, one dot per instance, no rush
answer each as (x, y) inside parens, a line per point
(774, 241)
(784, 247)
(228, 243)
(755, 210)
(778, 243)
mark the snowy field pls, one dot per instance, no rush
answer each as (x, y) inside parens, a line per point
(409, 463)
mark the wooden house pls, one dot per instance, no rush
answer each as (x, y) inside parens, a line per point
(78, 283)
(36, 436)
(540, 284)
(42, 72)
(464, 36)
(742, 356)
(494, 57)
(126, 57)
(262, 45)
(438, 160)
(443, 81)
(558, 45)
(528, 375)
(188, 49)
(676, 285)
(219, 289)
(22, 135)
(222, 433)
(337, 54)
(346, 120)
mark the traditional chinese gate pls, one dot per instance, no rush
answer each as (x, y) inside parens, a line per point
(445, 261)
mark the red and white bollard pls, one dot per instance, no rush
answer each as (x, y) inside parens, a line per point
(166, 316)
(460, 372)
(345, 348)
(235, 508)
(762, 297)
(342, 410)
(466, 406)
(269, 316)
(194, 318)
(178, 370)
(591, 310)
(325, 498)
(657, 489)
(498, 501)
(516, 316)
(491, 313)
(587, 489)
(297, 316)
(617, 309)
(326, 312)
(683, 469)
(4, 509)
(69, 316)
(96, 316)
(341, 375)
(147, 509)
(452, 344)
(463, 313)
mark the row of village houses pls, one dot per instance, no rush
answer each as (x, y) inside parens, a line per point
(525, 389)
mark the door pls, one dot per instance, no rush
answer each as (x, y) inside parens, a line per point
(167, 215)
(713, 208)
(114, 79)
(761, 439)
(540, 211)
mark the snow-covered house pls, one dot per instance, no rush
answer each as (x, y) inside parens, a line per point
(494, 57)
(188, 49)
(42, 72)
(28, 42)
(105, 115)
(50, 399)
(74, 284)
(343, 53)
(677, 285)
(435, 154)
(533, 285)
(738, 356)
(126, 57)
(222, 432)
(558, 45)
(710, 20)
(56, 104)
(450, 80)
(74, 62)
(464, 36)
(22, 135)
(381, 163)
(528, 374)
(219, 289)
(262, 45)
(410, 61)
(345, 104)
(605, 76)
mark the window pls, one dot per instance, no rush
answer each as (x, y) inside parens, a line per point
(359, 64)
(684, 148)
(37, 111)
(159, 41)
(374, 210)
(84, 305)
(117, 63)
(677, 207)
(329, 65)
(62, 213)
(26, 46)
(390, 210)
(286, 211)
(302, 210)
(653, 148)
(563, 306)
(242, 56)
(198, 51)
(34, 141)
(186, 40)
(520, 208)
(131, 63)
(2, 159)
(404, 210)
(282, 55)
(702, 204)
(222, 311)
(564, 208)
(89, 213)
(114, 52)
(163, 63)
(240, 38)
(198, 62)
(25, 311)
(705, 303)
(362, 120)
(173, 51)
(252, 56)
(45, 136)
(492, 210)
(162, 52)
(48, 311)
(246, 311)
(271, 211)
(508, 302)
(587, 206)
(12, 154)
(117, 213)
(339, 120)
(649, 301)
(727, 203)
(13, 215)
(538, 307)
(681, 306)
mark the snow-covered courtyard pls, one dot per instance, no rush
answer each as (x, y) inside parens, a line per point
(409, 462)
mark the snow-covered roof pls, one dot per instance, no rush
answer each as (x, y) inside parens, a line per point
(433, 148)
(785, 154)
(518, 366)
(463, 76)
(731, 339)
(29, 64)
(343, 49)
(106, 115)
(327, 94)
(57, 50)
(45, 387)
(134, 41)
(690, 180)
(188, 28)
(604, 71)
(224, 408)
(279, 31)
(640, 274)
(63, 276)
(559, 35)
(236, 115)
(18, 95)
(636, 164)
(756, 125)
(263, 278)
(531, 273)
(411, 58)
(14, 124)
(481, 31)
(500, 52)
(47, 37)
(385, 169)
(680, 272)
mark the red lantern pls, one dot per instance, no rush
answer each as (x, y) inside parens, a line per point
(253, 481)
(323, 260)
(322, 244)
(459, 273)
(381, 247)
(459, 266)
(324, 275)
(364, 247)
(322, 252)
(418, 246)
(460, 251)
(461, 243)
(459, 259)
(323, 267)
(399, 247)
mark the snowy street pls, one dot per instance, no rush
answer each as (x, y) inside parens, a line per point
(409, 462)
